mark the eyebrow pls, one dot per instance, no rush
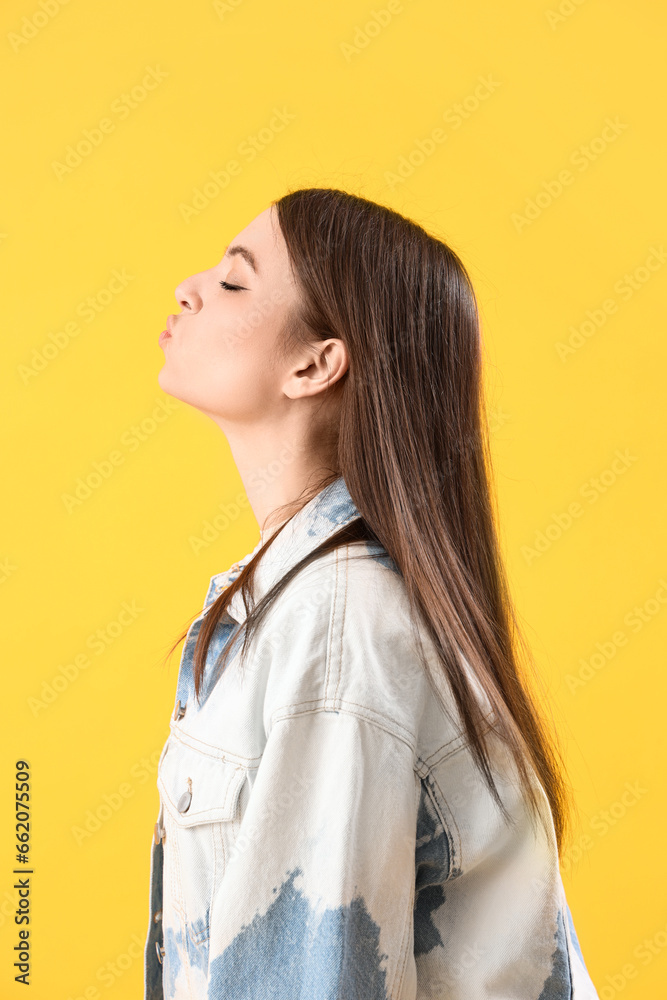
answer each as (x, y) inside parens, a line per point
(235, 249)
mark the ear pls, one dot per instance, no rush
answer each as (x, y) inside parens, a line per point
(316, 367)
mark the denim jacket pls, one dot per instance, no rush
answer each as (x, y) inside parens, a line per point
(323, 831)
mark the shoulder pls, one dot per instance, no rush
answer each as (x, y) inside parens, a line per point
(358, 581)
(341, 637)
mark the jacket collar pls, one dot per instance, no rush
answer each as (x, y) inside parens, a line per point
(331, 509)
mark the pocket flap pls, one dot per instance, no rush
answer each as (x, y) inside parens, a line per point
(215, 783)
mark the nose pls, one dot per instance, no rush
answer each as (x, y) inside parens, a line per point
(187, 295)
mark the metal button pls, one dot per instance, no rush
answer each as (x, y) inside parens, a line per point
(185, 799)
(179, 711)
(158, 917)
(160, 834)
(160, 952)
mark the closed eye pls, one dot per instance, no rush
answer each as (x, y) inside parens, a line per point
(231, 288)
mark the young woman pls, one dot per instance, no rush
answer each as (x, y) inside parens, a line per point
(359, 799)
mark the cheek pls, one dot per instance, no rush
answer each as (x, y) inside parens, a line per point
(228, 373)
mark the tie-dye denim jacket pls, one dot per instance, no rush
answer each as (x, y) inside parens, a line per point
(323, 831)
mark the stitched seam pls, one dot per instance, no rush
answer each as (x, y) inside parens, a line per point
(338, 711)
(202, 937)
(330, 629)
(372, 716)
(455, 854)
(216, 882)
(400, 969)
(174, 874)
(340, 636)
(186, 961)
(178, 898)
(440, 827)
(409, 916)
(568, 945)
(219, 753)
(461, 739)
(376, 717)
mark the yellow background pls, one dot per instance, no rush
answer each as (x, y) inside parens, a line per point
(557, 423)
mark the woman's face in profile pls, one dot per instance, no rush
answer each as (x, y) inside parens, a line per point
(220, 350)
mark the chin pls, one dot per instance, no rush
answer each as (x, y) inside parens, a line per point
(167, 383)
(171, 387)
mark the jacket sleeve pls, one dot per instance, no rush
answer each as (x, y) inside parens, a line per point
(491, 916)
(318, 892)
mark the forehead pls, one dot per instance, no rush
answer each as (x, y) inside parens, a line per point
(260, 241)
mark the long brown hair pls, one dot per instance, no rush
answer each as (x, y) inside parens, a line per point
(413, 450)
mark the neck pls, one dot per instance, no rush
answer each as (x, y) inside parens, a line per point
(278, 471)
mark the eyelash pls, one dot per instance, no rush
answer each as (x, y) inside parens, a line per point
(230, 288)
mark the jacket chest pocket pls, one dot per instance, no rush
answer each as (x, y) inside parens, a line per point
(200, 794)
